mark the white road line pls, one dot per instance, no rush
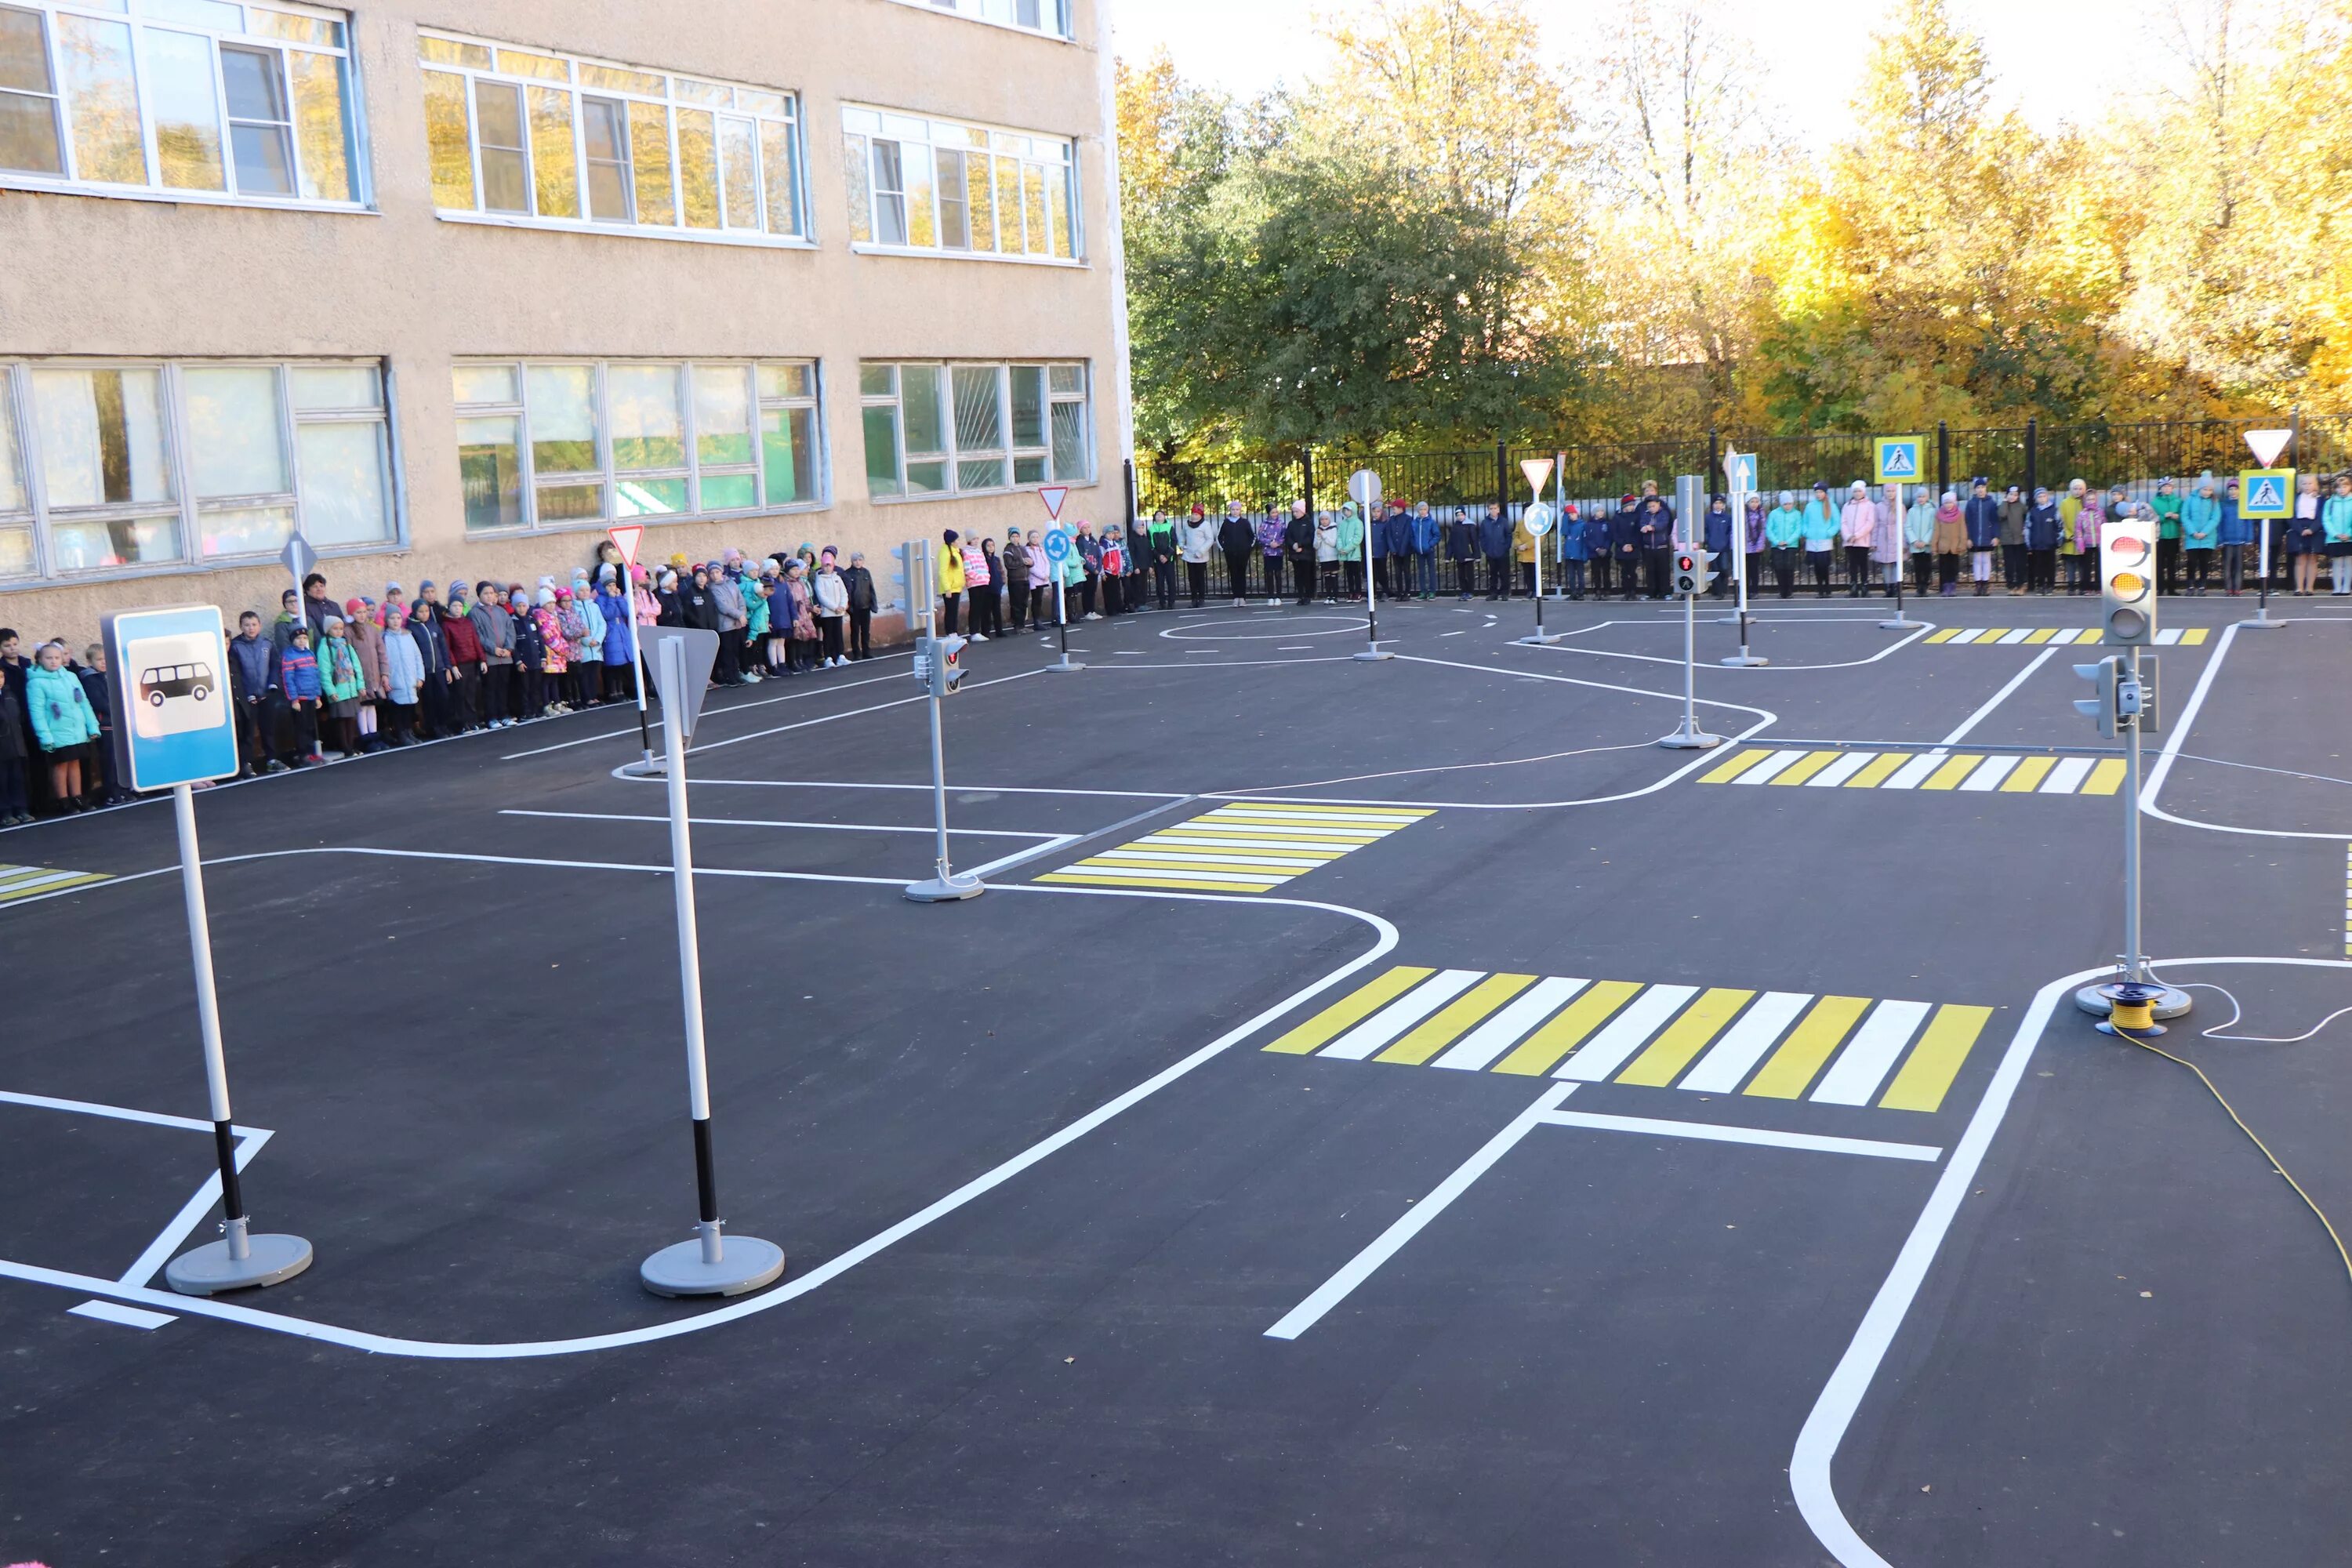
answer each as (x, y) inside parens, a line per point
(1626, 1032)
(1838, 772)
(1499, 1034)
(1728, 1062)
(1034, 852)
(2020, 634)
(1967, 636)
(1987, 776)
(129, 1317)
(1911, 774)
(2069, 773)
(1186, 858)
(1359, 1268)
(969, 684)
(1713, 1133)
(1402, 1014)
(766, 822)
(158, 1252)
(1763, 771)
(1867, 1058)
(2163, 769)
(1997, 698)
(123, 1113)
(953, 788)
(652, 724)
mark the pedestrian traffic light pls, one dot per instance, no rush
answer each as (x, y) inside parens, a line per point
(2104, 676)
(1692, 572)
(939, 664)
(2127, 583)
(910, 574)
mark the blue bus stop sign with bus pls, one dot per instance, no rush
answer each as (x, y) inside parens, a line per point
(175, 722)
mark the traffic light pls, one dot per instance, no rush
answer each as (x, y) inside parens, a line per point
(2127, 583)
(2106, 676)
(939, 664)
(1692, 572)
(910, 574)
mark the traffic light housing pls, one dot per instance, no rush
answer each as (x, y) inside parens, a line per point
(939, 664)
(1693, 572)
(2127, 583)
(910, 574)
(2104, 677)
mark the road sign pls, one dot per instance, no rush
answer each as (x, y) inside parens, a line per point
(1054, 496)
(1057, 543)
(175, 718)
(2266, 445)
(1898, 459)
(1364, 487)
(2266, 494)
(1739, 470)
(701, 650)
(626, 536)
(1537, 518)
(1537, 469)
(2127, 583)
(298, 558)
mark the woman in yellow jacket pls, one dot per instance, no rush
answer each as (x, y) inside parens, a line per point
(1523, 549)
(951, 575)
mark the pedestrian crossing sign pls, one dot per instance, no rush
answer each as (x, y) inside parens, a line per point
(2266, 493)
(1897, 458)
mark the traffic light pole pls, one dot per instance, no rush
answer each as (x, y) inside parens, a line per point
(2135, 960)
(1690, 737)
(943, 886)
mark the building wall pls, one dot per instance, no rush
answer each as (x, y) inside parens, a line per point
(101, 276)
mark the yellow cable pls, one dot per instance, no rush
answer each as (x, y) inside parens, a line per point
(2273, 1159)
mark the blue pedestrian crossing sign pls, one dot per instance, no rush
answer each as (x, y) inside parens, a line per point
(2266, 493)
(1896, 460)
(176, 721)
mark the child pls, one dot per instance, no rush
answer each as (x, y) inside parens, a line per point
(298, 677)
(832, 603)
(803, 627)
(64, 724)
(404, 674)
(99, 761)
(530, 655)
(360, 625)
(342, 684)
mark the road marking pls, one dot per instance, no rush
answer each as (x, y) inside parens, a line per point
(1665, 1057)
(1968, 772)
(1433, 1036)
(1249, 845)
(129, 1317)
(1401, 1015)
(764, 822)
(1477, 1051)
(1718, 1133)
(1359, 1268)
(2059, 637)
(2347, 900)
(1870, 1056)
(1351, 1009)
(1734, 1056)
(1809, 1045)
(1935, 1060)
(26, 881)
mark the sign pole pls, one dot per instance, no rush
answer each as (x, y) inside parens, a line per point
(1536, 470)
(2263, 589)
(2267, 446)
(1742, 486)
(625, 539)
(1057, 545)
(1902, 621)
(1364, 490)
(709, 1265)
(1690, 737)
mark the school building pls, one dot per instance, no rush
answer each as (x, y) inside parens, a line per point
(451, 289)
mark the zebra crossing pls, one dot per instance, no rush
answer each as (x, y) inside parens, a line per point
(1246, 846)
(29, 881)
(1970, 772)
(2008, 636)
(1774, 1045)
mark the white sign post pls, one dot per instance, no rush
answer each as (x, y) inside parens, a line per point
(2267, 446)
(626, 537)
(1057, 544)
(711, 1264)
(1364, 490)
(168, 669)
(1539, 521)
(1739, 471)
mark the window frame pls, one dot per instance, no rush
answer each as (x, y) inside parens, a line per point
(1007, 451)
(864, 125)
(359, 157)
(671, 101)
(186, 508)
(1068, 10)
(607, 475)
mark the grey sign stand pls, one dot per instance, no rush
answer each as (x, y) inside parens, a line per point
(711, 1264)
(1690, 737)
(240, 1259)
(1902, 621)
(942, 886)
(1364, 490)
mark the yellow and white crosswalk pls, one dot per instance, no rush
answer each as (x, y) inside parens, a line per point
(1775, 1044)
(2011, 637)
(1247, 846)
(1972, 773)
(26, 881)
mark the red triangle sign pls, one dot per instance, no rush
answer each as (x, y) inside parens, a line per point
(626, 536)
(1054, 496)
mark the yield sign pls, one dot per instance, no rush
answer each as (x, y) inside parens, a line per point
(625, 536)
(1054, 496)
(1537, 469)
(2268, 443)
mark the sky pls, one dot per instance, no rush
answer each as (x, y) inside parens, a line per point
(2057, 60)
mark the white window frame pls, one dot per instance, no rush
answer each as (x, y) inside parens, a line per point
(607, 475)
(69, 184)
(678, 94)
(178, 463)
(954, 456)
(979, 11)
(864, 124)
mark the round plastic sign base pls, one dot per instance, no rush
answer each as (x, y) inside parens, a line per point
(1065, 665)
(1900, 625)
(745, 1263)
(1745, 661)
(208, 1271)
(2173, 1004)
(1690, 740)
(938, 891)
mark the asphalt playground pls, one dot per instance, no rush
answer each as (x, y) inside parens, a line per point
(1381, 1113)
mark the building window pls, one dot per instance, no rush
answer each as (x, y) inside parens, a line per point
(557, 142)
(105, 466)
(199, 99)
(960, 429)
(929, 185)
(1055, 19)
(546, 446)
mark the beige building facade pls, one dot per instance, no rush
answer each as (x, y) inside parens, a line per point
(449, 289)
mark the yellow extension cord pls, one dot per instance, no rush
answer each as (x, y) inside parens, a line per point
(2250, 1132)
